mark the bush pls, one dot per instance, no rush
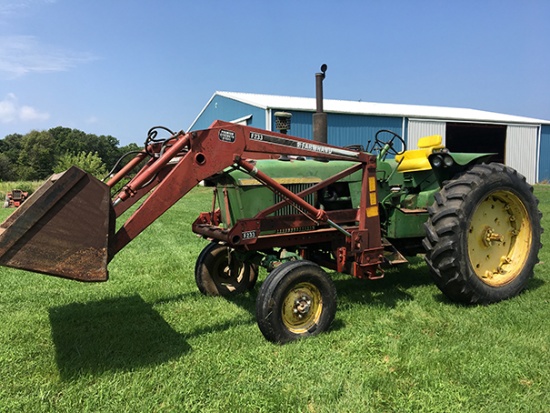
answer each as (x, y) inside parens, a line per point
(87, 161)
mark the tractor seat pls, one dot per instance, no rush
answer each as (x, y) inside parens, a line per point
(417, 159)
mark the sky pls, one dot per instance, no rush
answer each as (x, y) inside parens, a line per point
(119, 67)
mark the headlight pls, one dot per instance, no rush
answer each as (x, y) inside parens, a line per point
(448, 161)
(437, 161)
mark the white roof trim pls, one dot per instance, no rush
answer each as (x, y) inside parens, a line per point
(377, 109)
(201, 112)
(241, 119)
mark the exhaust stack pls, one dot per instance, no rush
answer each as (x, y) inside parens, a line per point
(320, 117)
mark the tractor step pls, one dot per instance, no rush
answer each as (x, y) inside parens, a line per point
(392, 255)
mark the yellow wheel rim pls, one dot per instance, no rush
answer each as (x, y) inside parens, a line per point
(499, 238)
(302, 308)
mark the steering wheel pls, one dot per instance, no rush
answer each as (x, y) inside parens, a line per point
(386, 147)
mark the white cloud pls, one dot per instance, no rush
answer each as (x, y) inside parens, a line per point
(12, 111)
(28, 113)
(8, 111)
(21, 54)
(9, 8)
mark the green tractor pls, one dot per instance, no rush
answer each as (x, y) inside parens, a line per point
(295, 207)
(477, 223)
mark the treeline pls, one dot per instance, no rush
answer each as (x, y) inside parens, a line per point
(38, 154)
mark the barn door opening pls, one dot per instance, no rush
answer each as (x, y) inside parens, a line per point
(477, 138)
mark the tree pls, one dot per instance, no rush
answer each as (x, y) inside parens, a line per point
(107, 149)
(132, 147)
(34, 155)
(7, 168)
(11, 146)
(89, 162)
(37, 156)
(74, 141)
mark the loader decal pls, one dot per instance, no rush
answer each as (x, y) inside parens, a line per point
(226, 136)
(249, 234)
(312, 147)
(289, 143)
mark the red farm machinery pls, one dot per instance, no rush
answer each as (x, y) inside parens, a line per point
(15, 198)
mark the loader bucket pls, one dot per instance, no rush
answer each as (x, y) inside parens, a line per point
(63, 229)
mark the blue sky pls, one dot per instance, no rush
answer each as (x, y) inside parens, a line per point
(118, 67)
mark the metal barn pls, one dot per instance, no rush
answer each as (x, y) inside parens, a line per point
(522, 143)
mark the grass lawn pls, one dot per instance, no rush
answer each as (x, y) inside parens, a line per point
(148, 341)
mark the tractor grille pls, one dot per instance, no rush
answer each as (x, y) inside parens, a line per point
(291, 210)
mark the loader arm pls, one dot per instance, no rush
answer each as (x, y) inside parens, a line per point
(208, 152)
(67, 228)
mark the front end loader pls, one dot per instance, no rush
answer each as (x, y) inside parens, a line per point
(295, 207)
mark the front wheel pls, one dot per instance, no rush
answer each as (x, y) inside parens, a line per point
(483, 235)
(219, 272)
(297, 299)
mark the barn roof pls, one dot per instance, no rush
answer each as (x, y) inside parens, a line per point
(377, 109)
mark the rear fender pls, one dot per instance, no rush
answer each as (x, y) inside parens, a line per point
(446, 165)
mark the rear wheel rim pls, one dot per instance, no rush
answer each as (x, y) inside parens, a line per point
(499, 238)
(302, 308)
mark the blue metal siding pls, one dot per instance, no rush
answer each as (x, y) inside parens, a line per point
(300, 123)
(544, 161)
(222, 108)
(344, 129)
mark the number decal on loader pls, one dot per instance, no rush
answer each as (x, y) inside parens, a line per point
(249, 234)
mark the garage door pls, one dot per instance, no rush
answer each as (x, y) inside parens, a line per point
(521, 150)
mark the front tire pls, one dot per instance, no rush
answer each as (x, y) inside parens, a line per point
(219, 272)
(297, 299)
(483, 235)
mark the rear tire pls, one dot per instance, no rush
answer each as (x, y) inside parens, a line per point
(218, 272)
(483, 235)
(297, 299)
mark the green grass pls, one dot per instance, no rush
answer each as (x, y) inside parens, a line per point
(148, 341)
